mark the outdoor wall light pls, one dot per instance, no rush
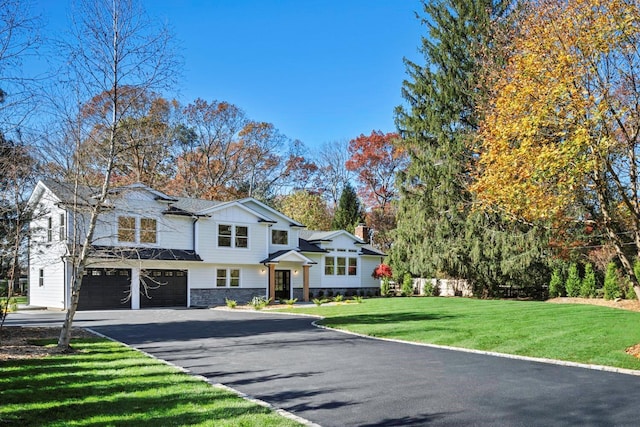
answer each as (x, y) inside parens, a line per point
(295, 271)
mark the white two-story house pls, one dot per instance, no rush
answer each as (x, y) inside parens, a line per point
(153, 250)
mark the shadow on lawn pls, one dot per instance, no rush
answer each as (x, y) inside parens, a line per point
(91, 386)
(373, 319)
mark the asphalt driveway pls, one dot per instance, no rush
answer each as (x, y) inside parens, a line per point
(335, 379)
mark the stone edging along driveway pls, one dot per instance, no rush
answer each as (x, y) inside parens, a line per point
(315, 323)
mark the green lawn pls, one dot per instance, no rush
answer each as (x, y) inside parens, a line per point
(108, 384)
(579, 333)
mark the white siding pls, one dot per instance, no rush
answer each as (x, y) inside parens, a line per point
(369, 263)
(46, 255)
(204, 276)
(208, 238)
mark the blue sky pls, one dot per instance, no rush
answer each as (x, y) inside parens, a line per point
(319, 70)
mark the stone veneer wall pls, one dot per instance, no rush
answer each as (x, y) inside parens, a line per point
(313, 292)
(215, 297)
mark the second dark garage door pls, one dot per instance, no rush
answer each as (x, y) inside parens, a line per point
(163, 288)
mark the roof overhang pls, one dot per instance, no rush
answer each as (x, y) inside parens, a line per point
(287, 256)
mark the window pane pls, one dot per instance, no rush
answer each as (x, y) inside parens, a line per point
(147, 230)
(235, 278)
(221, 278)
(329, 265)
(279, 237)
(49, 229)
(224, 235)
(242, 237)
(342, 263)
(126, 229)
(62, 228)
(353, 266)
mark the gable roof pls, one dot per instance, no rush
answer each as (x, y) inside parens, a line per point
(287, 255)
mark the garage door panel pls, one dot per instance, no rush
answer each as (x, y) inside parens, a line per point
(163, 288)
(105, 289)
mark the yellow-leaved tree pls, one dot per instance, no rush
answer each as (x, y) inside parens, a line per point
(562, 121)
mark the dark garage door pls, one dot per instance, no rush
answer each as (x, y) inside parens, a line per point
(163, 288)
(105, 289)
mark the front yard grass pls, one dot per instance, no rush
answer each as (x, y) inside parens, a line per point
(107, 384)
(570, 332)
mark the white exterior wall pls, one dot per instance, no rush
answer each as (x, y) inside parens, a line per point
(172, 232)
(47, 256)
(369, 263)
(207, 246)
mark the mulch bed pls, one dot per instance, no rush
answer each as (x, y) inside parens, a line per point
(17, 342)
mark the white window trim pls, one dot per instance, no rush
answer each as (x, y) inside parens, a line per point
(228, 277)
(136, 231)
(335, 257)
(280, 244)
(233, 236)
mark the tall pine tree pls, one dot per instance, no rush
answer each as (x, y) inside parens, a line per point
(349, 212)
(438, 233)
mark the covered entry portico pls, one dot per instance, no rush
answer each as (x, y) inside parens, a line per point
(284, 268)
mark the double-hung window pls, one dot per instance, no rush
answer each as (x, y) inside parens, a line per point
(227, 277)
(279, 237)
(49, 229)
(148, 228)
(233, 236)
(137, 230)
(329, 266)
(62, 228)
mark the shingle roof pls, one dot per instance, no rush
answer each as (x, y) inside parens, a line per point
(161, 254)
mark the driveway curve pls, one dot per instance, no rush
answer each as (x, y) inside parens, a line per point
(335, 379)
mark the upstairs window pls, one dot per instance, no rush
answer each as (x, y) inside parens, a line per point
(230, 236)
(137, 230)
(224, 235)
(279, 237)
(62, 228)
(49, 229)
(126, 229)
(148, 230)
(242, 237)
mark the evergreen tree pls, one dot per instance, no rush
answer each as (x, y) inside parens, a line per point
(556, 288)
(573, 281)
(438, 233)
(611, 288)
(588, 285)
(349, 212)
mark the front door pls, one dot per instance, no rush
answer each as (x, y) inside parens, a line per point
(283, 284)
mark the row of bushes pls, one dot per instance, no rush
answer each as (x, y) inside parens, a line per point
(587, 285)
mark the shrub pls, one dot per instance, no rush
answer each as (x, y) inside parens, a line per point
(358, 299)
(258, 303)
(381, 271)
(338, 298)
(629, 292)
(291, 301)
(556, 289)
(407, 285)
(320, 301)
(384, 287)
(588, 286)
(611, 288)
(231, 303)
(572, 286)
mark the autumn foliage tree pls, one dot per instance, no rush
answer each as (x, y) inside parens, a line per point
(560, 134)
(307, 208)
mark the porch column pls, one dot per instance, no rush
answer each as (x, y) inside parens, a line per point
(305, 283)
(272, 281)
(135, 288)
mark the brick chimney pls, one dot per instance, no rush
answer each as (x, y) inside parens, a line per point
(362, 232)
